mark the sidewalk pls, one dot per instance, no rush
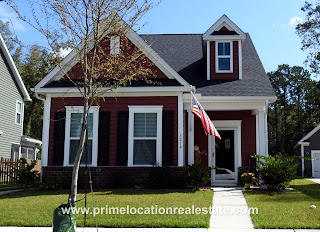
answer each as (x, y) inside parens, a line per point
(316, 180)
(230, 210)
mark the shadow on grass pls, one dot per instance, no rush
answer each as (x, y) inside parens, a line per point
(312, 190)
(34, 193)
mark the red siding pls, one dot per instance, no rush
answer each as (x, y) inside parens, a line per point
(113, 105)
(248, 134)
(224, 76)
(128, 49)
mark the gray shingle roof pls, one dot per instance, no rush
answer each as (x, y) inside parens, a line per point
(184, 53)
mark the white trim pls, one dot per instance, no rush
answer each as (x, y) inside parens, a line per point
(45, 131)
(240, 59)
(257, 134)
(14, 70)
(180, 131)
(150, 89)
(309, 135)
(234, 125)
(21, 114)
(145, 109)
(79, 109)
(71, 60)
(302, 160)
(225, 21)
(224, 56)
(190, 138)
(312, 156)
(263, 133)
(208, 61)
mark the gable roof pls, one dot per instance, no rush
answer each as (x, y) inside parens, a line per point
(14, 70)
(311, 133)
(184, 53)
(70, 61)
(224, 21)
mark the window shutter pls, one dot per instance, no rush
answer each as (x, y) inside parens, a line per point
(59, 135)
(122, 150)
(167, 138)
(103, 138)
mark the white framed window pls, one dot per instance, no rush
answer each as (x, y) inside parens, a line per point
(19, 110)
(145, 136)
(115, 45)
(224, 57)
(73, 132)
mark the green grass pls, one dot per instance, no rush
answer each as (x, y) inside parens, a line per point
(290, 209)
(36, 209)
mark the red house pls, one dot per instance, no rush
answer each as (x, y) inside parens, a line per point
(148, 126)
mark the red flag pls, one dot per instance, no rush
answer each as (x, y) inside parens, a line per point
(207, 124)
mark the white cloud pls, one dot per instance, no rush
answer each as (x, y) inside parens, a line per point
(7, 15)
(64, 52)
(295, 20)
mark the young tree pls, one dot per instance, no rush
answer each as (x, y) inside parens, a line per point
(309, 31)
(83, 26)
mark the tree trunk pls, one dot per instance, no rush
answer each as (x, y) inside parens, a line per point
(77, 160)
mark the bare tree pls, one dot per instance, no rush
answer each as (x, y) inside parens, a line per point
(86, 26)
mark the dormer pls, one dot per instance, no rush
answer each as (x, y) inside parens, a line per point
(224, 43)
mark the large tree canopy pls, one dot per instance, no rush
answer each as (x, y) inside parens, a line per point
(296, 110)
(309, 31)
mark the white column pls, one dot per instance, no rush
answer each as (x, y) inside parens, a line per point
(45, 131)
(190, 138)
(180, 131)
(257, 134)
(263, 134)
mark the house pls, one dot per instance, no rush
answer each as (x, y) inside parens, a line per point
(13, 95)
(309, 147)
(223, 68)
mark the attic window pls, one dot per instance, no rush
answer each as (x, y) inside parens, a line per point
(224, 61)
(115, 45)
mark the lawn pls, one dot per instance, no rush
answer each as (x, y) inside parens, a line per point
(4, 187)
(287, 210)
(36, 209)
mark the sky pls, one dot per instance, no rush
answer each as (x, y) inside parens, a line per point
(270, 23)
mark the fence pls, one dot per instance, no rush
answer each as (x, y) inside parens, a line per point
(9, 169)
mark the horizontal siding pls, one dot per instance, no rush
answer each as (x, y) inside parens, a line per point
(248, 134)
(9, 94)
(113, 105)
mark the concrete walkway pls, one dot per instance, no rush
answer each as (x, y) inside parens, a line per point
(230, 210)
(317, 180)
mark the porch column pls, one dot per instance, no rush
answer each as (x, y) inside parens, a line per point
(262, 133)
(181, 160)
(190, 138)
(45, 131)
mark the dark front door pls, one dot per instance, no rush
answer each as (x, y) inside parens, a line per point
(224, 156)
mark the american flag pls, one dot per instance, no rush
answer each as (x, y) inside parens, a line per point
(207, 124)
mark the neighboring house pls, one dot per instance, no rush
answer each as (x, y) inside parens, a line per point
(13, 95)
(309, 147)
(222, 66)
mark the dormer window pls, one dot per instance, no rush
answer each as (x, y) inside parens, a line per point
(224, 61)
(114, 45)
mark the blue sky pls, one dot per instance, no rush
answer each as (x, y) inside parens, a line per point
(271, 24)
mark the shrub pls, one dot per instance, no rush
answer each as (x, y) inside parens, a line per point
(197, 175)
(27, 175)
(277, 171)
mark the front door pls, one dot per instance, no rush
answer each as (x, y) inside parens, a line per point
(224, 171)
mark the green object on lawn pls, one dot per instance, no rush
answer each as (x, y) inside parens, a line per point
(64, 218)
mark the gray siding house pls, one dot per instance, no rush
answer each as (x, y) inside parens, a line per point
(13, 94)
(309, 146)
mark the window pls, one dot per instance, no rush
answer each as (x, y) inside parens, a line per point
(73, 132)
(19, 112)
(145, 136)
(224, 62)
(115, 45)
